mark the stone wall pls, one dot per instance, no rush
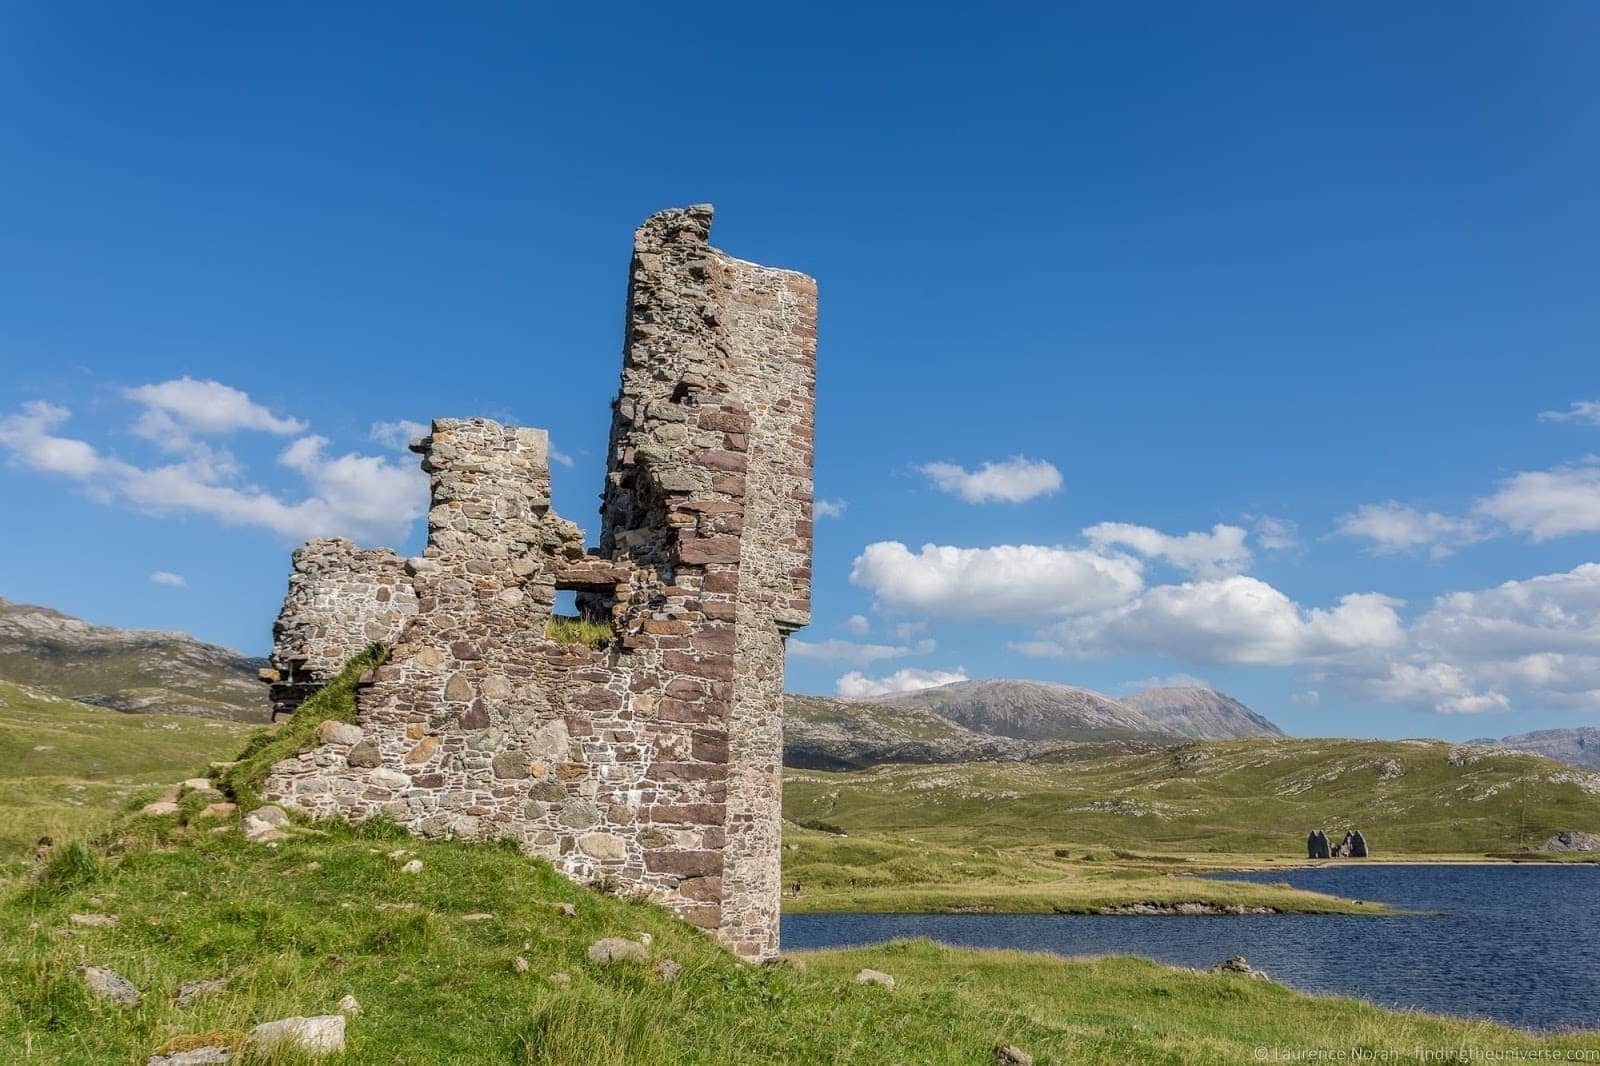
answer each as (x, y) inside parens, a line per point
(341, 598)
(652, 764)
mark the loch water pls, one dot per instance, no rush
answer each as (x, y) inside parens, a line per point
(1518, 944)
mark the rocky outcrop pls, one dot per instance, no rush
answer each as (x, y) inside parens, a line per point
(1572, 840)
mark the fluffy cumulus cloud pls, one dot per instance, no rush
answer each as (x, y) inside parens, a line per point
(1013, 480)
(1584, 411)
(1545, 504)
(1274, 534)
(1394, 528)
(856, 686)
(849, 651)
(1219, 552)
(1234, 619)
(399, 433)
(829, 508)
(168, 578)
(368, 498)
(1007, 582)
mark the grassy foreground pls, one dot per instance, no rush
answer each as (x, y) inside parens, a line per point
(430, 956)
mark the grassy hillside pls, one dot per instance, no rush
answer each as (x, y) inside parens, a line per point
(1257, 796)
(70, 766)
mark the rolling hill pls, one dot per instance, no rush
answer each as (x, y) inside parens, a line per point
(127, 669)
(1200, 713)
(1579, 746)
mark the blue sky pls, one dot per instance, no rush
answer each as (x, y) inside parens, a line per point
(1310, 275)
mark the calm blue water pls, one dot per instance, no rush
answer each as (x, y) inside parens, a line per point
(1518, 944)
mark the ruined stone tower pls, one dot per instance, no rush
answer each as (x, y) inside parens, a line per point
(652, 763)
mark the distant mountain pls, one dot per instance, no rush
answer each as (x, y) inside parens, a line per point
(831, 734)
(1579, 746)
(1200, 713)
(1032, 710)
(127, 669)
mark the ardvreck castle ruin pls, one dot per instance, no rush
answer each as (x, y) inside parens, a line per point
(651, 763)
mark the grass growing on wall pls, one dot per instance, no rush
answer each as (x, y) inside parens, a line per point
(336, 700)
(570, 630)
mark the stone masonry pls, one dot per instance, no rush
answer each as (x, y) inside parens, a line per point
(651, 765)
(341, 599)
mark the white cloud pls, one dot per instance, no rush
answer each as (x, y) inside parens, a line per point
(848, 651)
(208, 408)
(829, 508)
(856, 686)
(1394, 527)
(858, 625)
(1306, 698)
(1006, 582)
(167, 577)
(1274, 534)
(559, 456)
(399, 433)
(1546, 504)
(1214, 554)
(1228, 620)
(364, 497)
(1012, 481)
(1586, 411)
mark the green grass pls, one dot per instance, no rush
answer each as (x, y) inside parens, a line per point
(570, 630)
(69, 767)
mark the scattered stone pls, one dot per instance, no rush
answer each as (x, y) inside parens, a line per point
(412, 867)
(644, 938)
(198, 784)
(220, 809)
(1237, 965)
(159, 808)
(97, 921)
(1011, 1055)
(271, 815)
(333, 731)
(264, 824)
(477, 916)
(560, 978)
(616, 949)
(519, 964)
(874, 977)
(190, 991)
(399, 853)
(111, 985)
(195, 1057)
(350, 1006)
(567, 909)
(322, 1034)
(666, 971)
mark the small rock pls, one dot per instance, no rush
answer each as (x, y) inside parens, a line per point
(399, 853)
(567, 909)
(412, 867)
(874, 977)
(220, 809)
(97, 921)
(198, 784)
(616, 949)
(322, 1034)
(350, 1006)
(109, 984)
(159, 808)
(644, 938)
(1237, 965)
(519, 965)
(313, 866)
(477, 916)
(666, 970)
(190, 991)
(560, 978)
(258, 831)
(270, 814)
(1011, 1055)
(336, 732)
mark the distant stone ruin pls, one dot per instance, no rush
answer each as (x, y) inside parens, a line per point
(651, 764)
(1353, 846)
